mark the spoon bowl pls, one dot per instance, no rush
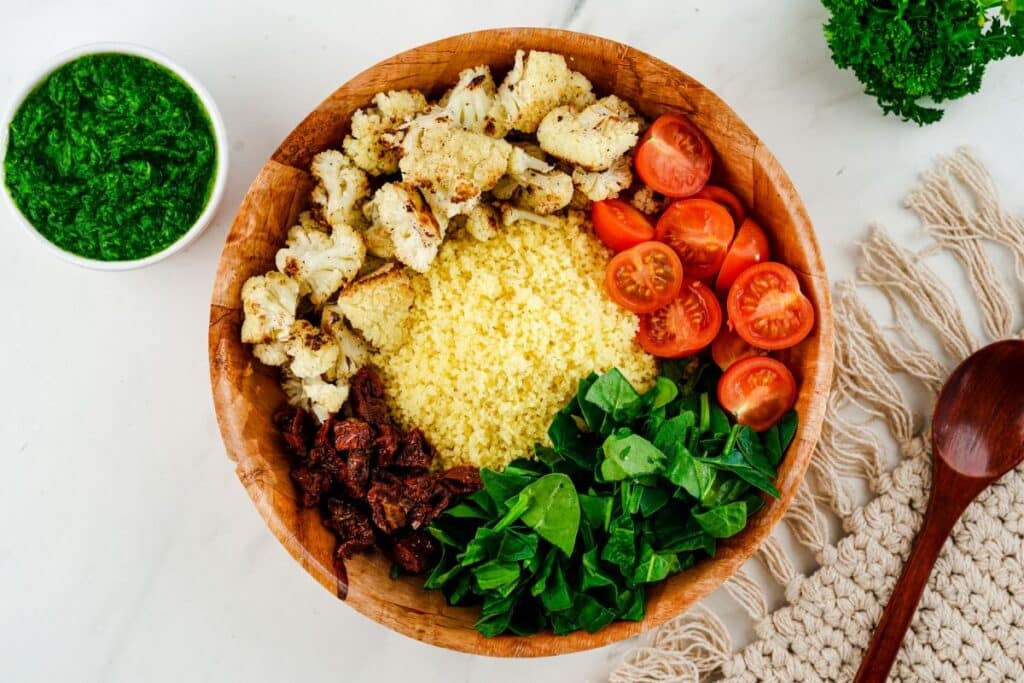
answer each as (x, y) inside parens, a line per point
(977, 437)
(978, 427)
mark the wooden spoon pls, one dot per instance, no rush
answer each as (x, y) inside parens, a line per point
(977, 437)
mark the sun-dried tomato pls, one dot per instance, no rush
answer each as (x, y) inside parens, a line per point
(414, 451)
(462, 480)
(352, 434)
(388, 504)
(366, 397)
(312, 482)
(414, 552)
(370, 480)
(355, 474)
(291, 423)
(386, 445)
(323, 434)
(350, 525)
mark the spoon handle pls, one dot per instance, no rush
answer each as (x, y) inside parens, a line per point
(888, 637)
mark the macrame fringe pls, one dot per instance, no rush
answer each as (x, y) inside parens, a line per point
(945, 202)
(684, 649)
(941, 202)
(745, 591)
(902, 275)
(867, 380)
(959, 208)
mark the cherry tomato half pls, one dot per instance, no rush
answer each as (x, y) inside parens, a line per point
(729, 347)
(767, 309)
(644, 278)
(757, 391)
(619, 225)
(749, 247)
(727, 199)
(683, 327)
(700, 231)
(673, 157)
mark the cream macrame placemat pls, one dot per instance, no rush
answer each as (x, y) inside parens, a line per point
(970, 623)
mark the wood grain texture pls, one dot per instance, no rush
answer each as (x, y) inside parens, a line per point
(246, 394)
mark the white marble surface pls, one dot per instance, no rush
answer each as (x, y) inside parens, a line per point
(128, 551)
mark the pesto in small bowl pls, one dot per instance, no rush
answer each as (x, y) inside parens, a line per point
(112, 157)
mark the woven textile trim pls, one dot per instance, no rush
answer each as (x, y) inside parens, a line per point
(970, 622)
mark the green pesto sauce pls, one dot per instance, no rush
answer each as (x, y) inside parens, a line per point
(112, 157)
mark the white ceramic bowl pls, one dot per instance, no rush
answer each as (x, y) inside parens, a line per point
(220, 137)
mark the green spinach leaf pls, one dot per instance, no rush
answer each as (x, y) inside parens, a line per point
(653, 566)
(628, 455)
(661, 394)
(723, 521)
(597, 510)
(515, 546)
(612, 393)
(552, 509)
(495, 574)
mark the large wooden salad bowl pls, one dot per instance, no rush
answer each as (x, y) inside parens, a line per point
(247, 393)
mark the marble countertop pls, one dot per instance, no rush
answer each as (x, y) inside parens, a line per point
(128, 550)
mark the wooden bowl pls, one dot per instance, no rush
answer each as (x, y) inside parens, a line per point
(246, 393)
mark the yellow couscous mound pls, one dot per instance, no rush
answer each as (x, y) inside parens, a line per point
(500, 334)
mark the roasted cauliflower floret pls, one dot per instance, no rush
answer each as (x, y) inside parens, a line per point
(378, 241)
(374, 141)
(412, 226)
(312, 351)
(378, 306)
(580, 92)
(474, 104)
(483, 223)
(592, 138)
(450, 164)
(271, 353)
(512, 214)
(341, 189)
(647, 201)
(353, 352)
(600, 185)
(320, 262)
(537, 83)
(268, 302)
(313, 394)
(539, 187)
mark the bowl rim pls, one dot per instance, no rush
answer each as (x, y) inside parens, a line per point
(240, 385)
(41, 73)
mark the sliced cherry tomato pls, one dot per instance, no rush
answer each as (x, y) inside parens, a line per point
(727, 199)
(673, 157)
(749, 247)
(767, 309)
(644, 278)
(699, 230)
(684, 326)
(619, 225)
(729, 347)
(757, 391)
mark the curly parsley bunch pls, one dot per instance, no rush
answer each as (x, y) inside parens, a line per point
(909, 51)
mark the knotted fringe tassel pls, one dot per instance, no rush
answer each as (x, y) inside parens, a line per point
(745, 591)
(940, 202)
(686, 648)
(915, 361)
(900, 274)
(847, 447)
(806, 522)
(867, 380)
(773, 557)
